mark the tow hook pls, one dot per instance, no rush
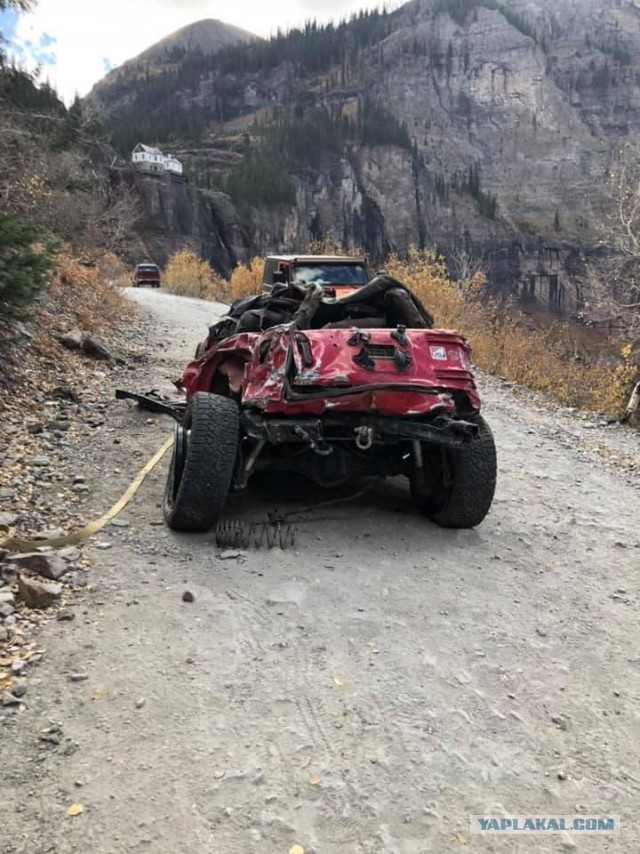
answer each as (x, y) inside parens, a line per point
(364, 437)
(320, 448)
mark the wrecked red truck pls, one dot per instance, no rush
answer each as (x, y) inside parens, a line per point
(337, 377)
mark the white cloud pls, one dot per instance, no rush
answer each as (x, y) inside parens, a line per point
(88, 35)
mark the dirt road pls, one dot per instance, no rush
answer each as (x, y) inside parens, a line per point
(364, 693)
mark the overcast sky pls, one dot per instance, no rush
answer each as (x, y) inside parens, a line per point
(76, 41)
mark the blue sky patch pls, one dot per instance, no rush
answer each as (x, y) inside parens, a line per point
(8, 21)
(29, 52)
(40, 52)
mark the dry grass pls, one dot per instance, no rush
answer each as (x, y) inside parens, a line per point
(114, 270)
(83, 296)
(77, 296)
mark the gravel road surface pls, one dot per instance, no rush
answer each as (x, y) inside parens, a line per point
(363, 693)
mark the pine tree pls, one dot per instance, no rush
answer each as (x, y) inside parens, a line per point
(71, 127)
(23, 268)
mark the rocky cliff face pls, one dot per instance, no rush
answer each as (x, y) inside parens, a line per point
(519, 104)
(177, 215)
(371, 200)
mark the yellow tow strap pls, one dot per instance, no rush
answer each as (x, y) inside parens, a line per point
(15, 545)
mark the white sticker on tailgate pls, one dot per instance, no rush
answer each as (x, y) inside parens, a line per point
(438, 353)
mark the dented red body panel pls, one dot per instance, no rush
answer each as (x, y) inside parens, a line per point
(199, 374)
(292, 372)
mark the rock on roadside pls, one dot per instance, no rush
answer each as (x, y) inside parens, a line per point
(38, 594)
(47, 565)
(95, 347)
(72, 340)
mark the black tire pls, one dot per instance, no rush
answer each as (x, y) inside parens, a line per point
(200, 349)
(459, 483)
(204, 455)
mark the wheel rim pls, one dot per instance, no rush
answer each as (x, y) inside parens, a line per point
(180, 448)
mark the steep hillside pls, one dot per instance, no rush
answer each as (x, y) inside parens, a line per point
(476, 124)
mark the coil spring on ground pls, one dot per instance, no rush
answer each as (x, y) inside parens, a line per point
(236, 534)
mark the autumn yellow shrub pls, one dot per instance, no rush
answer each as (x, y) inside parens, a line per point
(246, 279)
(548, 360)
(187, 275)
(426, 275)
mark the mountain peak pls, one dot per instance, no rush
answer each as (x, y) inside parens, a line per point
(208, 35)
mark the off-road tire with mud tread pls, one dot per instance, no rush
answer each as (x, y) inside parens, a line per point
(473, 470)
(213, 425)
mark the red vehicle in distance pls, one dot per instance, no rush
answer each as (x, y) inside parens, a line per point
(146, 274)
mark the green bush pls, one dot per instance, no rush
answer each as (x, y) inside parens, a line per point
(23, 263)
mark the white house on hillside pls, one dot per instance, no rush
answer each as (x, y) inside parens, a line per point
(172, 164)
(149, 159)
